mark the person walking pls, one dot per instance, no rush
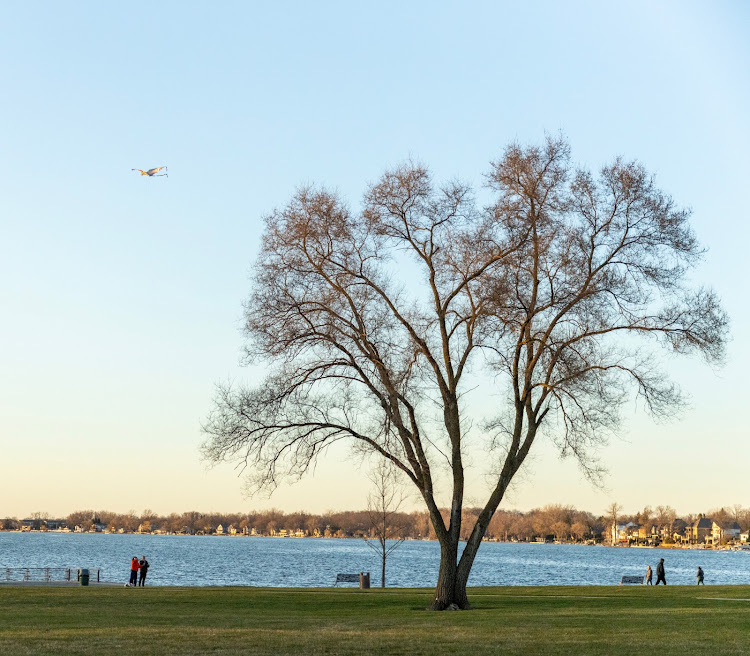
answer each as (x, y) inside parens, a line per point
(660, 577)
(699, 577)
(649, 575)
(144, 570)
(134, 567)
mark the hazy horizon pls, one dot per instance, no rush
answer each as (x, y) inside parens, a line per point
(415, 508)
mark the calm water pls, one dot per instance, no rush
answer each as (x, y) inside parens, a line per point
(282, 562)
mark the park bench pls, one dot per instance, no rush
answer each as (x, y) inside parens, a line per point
(346, 578)
(631, 580)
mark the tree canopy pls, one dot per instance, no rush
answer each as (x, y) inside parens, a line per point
(375, 324)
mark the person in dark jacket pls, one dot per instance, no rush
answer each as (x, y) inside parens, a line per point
(144, 570)
(699, 577)
(134, 567)
(660, 573)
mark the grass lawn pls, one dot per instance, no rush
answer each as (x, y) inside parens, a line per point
(550, 620)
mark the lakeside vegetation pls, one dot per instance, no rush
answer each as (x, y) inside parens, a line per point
(559, 620)
(553, 522)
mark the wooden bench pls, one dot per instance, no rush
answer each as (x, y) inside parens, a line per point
(346, 578)
(631, 580)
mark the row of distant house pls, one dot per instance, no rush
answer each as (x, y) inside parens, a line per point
(95, 526)
(280, 533)
(703, 531)
(39, 524)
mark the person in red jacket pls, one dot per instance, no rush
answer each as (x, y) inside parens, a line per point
(134, 567)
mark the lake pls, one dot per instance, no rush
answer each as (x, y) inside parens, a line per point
(307, 562)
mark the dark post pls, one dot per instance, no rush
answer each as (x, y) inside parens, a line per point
(364, 580)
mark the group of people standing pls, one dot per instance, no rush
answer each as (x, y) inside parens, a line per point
(138, 566)
(661, 577)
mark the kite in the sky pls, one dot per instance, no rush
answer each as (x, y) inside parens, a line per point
(153, 172)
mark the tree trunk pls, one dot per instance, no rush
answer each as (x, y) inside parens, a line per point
(454, 575)
(450, 588)
(467, 560)
(382, 573)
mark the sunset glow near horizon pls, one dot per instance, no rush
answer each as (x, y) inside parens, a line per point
(121, 295)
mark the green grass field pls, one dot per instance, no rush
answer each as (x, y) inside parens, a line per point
(559, 620)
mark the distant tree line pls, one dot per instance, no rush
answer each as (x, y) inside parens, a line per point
(553, 521)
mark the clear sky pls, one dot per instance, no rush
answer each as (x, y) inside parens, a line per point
(120, 296)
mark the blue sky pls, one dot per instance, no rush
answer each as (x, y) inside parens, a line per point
(120, 296)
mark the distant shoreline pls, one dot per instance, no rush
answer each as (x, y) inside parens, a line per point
(693, 547)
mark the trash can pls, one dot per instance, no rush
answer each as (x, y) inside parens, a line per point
(83, 576)
(364, 580)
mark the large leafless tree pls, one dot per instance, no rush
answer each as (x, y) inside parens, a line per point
(375, 326)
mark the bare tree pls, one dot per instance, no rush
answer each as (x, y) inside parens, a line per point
(738, 513)
(39, 519)
(665, 516)
(375, 326)
(130, 521)
(191, 521)
(80, 518)
(383, 505)
(613, 512)
(580, 529)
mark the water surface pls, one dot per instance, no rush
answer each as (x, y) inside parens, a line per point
(308, 562)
